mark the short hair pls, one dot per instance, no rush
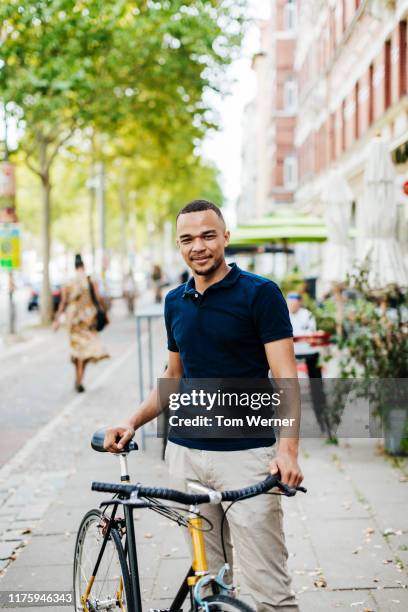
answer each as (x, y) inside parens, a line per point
(199, 205)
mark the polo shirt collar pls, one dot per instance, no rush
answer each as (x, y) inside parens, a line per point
(228, 280)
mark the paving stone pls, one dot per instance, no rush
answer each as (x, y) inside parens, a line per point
(323, 600)
(13, 535)
(46, 577)
(347, 559)
(45, 551)
(32, 513)
(391, 600)
(7, 549)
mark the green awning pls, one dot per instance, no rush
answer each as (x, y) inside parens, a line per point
(284, 233)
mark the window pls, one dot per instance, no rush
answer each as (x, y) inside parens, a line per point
(371, 94)
(402, 58)
(290, 95)
(387, 74)
(290, 171)
(290, 15)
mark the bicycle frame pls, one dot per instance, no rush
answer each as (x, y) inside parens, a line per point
(197, 574)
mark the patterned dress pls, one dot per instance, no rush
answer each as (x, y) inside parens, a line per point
(81, 316)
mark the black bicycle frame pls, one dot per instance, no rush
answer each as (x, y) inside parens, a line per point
(131, 554)
(133, 565)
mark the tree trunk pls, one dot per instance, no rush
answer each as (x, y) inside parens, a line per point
(123, 224)
(92, 207)
(45, 297)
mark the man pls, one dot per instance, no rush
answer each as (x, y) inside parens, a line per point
(227, 323)
(303, 324)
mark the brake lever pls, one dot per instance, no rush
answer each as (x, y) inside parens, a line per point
(289, 491)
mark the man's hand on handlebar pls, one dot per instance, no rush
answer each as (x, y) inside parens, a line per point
(116, 438)
(287, 466)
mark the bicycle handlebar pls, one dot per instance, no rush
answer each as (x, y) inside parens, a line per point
(126, 490)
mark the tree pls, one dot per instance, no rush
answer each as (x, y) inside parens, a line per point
(108, 65)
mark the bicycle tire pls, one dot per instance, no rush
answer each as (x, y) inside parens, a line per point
(91, 517)
(226, 603)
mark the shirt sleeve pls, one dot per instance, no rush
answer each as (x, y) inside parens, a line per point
(171, 342)
(271, 314)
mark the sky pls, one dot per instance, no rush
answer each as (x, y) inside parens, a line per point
(224, 147)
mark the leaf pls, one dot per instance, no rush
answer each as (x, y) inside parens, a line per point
(321, 582)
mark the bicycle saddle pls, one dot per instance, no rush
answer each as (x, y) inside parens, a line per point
(98, 440)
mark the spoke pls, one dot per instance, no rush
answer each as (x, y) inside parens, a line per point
(107, 570)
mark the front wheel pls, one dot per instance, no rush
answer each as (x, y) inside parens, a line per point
(226, 603)
(110, 588)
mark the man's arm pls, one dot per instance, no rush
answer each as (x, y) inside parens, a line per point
(117, 437)
(282, 363)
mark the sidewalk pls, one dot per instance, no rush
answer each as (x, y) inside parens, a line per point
(347, 537)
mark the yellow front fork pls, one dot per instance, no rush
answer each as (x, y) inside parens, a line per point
(119, 594)
(85, 596)
(200, 565)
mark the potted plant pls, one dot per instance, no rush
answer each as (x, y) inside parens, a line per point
(375, 348)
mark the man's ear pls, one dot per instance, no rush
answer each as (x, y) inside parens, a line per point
(177, 243)
(227, 237)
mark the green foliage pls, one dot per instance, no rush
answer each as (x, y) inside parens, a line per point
(376, 331)
(105, 64)
(129, 76)
(375, 347)
(293, 281)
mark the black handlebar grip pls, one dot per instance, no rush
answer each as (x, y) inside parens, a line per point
(262, 487)
(108, 487)
(173, 495)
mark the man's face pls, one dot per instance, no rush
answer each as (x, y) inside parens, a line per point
(202, 238)
(293, 305)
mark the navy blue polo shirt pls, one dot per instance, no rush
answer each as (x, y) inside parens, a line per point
(221, 334)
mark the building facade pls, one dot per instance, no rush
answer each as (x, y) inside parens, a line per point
(351, 66)
(269, 176)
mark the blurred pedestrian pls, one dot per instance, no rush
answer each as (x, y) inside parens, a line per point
(304, 324)
(81, 300)
(130, 292)
(157, 278)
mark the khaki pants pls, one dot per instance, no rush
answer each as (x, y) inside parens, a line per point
(254, 525)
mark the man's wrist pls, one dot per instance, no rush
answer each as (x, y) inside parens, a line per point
(133, 423)
(288, 446)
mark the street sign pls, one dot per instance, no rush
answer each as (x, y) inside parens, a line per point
(7, 180)
(10, 246)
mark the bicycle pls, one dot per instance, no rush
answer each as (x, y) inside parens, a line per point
(106, 577)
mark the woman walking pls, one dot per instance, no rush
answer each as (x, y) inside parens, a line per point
(81, 298)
